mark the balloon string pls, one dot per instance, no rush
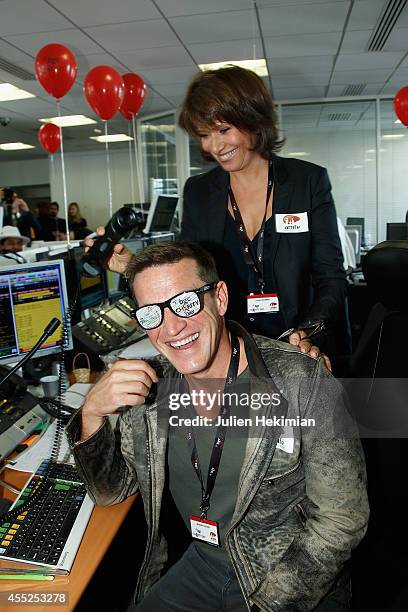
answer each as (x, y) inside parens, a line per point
(132, 187)
(108, 169)
(138, 169)
(64, 181)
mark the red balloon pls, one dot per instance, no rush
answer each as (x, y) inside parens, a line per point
(104, 89)
(135, 94)
(49, 136)
(401, 105)
(56, 69)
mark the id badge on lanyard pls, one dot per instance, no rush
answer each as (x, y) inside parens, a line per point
(262, 303)
(202, 528)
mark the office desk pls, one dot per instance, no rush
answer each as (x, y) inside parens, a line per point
(102, 528)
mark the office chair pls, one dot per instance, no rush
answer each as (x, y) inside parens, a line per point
(379, 395)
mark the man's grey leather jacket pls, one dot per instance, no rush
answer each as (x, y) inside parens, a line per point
(301, 507)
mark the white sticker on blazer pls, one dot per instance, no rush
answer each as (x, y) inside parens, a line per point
(286, 441)
(292, 223)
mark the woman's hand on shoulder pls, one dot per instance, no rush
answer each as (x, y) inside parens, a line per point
(300, 339)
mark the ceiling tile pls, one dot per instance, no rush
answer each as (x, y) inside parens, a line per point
(298, 46)
(365, 14)
(89, 12)
(318, 78)
(367, 61)
(314, 19)
(176, 8)
(347, 77)
(134, 35)
(222, 51)
(370, 90)
(86, 62)
(171, 75)
(356, 41)
(230, 25)
(398, 40)
(17, 18)
(296, 93)
(159, 57)
(74, 39)
(299, 65)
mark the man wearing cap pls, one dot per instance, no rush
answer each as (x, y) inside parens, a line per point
(11, 244)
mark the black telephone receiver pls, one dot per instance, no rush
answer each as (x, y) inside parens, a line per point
(123, 221)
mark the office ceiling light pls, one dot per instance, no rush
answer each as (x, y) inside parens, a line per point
(10, 92)
(111, 138)
(257, 65)
(299, 154)
(15, 146)
(68, 120)
(392, 136)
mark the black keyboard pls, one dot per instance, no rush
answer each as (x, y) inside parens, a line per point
(40, 532)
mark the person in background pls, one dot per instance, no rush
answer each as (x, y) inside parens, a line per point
(269, 221)
(75, 220)
(53, 227)
(77, 224)
(273, 518)
(11, 245)
(18, 214)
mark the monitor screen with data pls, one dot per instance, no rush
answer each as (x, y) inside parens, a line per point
(30, 296)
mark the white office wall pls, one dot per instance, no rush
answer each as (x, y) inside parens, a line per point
(28, 172)
(86, 178)
(87, 183)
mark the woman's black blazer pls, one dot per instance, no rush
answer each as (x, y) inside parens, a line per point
(307, 267)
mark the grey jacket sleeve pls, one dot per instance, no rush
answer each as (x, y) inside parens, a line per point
(106, 459)
(335, 509)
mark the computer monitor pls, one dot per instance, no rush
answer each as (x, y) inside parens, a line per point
(357, 221)
(134, 245)
(30, 296)
(354, 233)
(92, 291)
(161, 213)
(397, 231)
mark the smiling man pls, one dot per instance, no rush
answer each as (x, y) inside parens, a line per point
(273, 517)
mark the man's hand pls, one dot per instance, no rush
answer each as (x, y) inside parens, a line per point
(1, 193)
(127, 383)
(299, 338)
(120, 257)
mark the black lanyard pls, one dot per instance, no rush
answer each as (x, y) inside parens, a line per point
(219, 435)
(250, 260)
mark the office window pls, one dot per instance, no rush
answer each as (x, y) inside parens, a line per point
(393, 166)
(342, 138)
(159, 155)
(197, 162)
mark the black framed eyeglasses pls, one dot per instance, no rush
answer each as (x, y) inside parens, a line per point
(185, 304)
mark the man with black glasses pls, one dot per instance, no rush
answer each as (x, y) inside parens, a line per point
(248, 435)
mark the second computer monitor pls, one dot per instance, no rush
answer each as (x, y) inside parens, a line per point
(161, 213)
(358, 221)
(397, 231)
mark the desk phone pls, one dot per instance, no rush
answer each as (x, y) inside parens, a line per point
(109, 328)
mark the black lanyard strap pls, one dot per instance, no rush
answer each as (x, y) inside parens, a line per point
(257, 261)
(220, 434)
